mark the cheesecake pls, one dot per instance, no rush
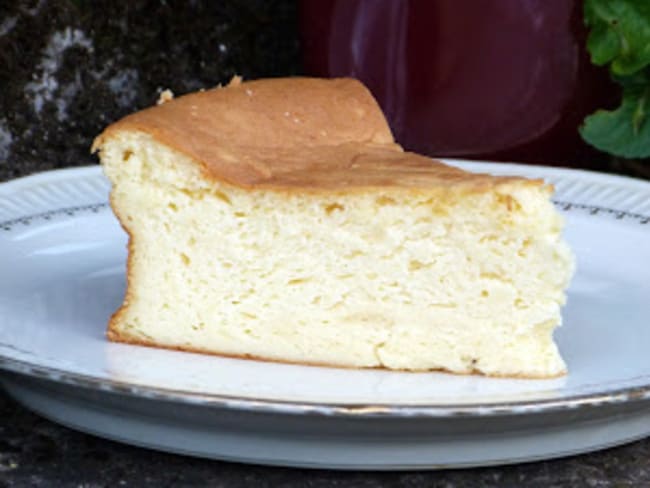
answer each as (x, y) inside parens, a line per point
(279, 220)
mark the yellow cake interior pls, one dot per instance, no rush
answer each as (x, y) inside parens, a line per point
(349, 253)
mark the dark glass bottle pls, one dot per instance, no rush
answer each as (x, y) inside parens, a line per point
(488, 79)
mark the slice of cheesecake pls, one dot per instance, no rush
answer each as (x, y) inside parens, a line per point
(278, 219)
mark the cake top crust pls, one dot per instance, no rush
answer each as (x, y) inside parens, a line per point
(294, 133)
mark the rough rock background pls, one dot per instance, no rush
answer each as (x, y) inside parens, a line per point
(70, 67)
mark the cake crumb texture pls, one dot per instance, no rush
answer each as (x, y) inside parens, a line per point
(254, 235)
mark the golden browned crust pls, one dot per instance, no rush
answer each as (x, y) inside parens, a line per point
(293, 133)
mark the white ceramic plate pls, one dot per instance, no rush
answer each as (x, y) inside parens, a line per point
(62, 259)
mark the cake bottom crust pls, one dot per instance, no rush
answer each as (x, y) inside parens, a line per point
(116, 336)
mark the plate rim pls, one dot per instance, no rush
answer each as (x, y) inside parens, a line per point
(617, 396)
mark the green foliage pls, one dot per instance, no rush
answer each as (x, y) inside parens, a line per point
(620, 39)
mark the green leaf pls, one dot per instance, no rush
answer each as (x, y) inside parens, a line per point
(625, 131)
(619, 34)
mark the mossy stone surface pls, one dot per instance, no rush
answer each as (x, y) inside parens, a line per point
(69, 68)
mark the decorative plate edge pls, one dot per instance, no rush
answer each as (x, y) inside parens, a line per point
(32, 197)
